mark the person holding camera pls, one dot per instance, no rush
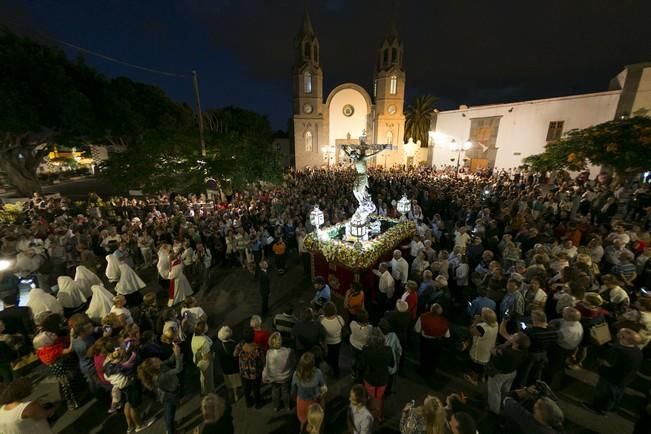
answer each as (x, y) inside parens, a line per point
(546, 417)
(503, 366)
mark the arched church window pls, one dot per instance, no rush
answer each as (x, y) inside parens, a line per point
(389, 138)
(394, 55)
(308, 141)
(385, 57)
(315, 50)
(393, 86)
(307, 82)
(374, 88)
(307, 49)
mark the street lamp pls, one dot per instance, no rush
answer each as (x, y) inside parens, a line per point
(458, 148)
(404, 206)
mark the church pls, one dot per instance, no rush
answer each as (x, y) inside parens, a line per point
(321, 126)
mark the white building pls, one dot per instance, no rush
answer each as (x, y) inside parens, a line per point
(322, 126)
(501, 135)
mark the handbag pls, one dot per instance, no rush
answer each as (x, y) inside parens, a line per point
(600, 334)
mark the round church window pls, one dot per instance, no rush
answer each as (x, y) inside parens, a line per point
(348, 110)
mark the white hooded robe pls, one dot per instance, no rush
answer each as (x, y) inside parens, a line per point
(101, 303)
(86, 279)
(129, 281)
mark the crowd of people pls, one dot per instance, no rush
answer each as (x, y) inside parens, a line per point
(518, 277)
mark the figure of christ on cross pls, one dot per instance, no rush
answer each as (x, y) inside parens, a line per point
(359, 155)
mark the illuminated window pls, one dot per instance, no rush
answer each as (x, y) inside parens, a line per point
(555, 130)
(307, 82)
(374, 87)
(393, 88)
(308, 141)
(389, 138)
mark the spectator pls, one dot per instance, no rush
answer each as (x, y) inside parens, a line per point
(314, 419)
(217, 416)
(429, 418)
(360, 419)
(376, 360)
(432, 327)
(251, 361)
(546, 417)
(20, 415)
(484, 332)
(333, 325)
(284, 323)
(391, 340)
(617, 370)
(354, 300)
(386, 285)
(203, 356)
(280, 363)
(280, 249)
(411, 298)
(505, 361)
(308, 386)
(359, 331)
(261, 335)
(322, 292)
(228, 362)
(308, 333)
(462, 423)
(400, 321)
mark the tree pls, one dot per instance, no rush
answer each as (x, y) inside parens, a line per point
(418, 118)
(239, 151)
(46, 99)
(623, 144)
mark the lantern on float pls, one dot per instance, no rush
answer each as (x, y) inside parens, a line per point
(404, 206)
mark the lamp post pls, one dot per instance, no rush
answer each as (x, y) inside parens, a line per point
(458, 148)
(403, 206)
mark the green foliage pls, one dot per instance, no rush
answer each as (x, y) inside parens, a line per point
(624, 145)
(418, 118)
(239, 151)
(10, 212)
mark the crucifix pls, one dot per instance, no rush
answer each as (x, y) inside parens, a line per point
(359, 155)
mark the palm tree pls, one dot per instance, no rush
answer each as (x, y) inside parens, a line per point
(419, 115)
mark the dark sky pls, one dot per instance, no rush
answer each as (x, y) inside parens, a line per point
(462, 51)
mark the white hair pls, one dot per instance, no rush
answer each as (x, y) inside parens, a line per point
(256, 321)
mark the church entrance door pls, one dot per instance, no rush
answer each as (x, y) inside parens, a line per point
(478, 164)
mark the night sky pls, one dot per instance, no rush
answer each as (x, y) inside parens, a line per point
(462, 51)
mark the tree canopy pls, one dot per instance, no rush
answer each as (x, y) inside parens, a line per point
(623, 144)
(418, 119)
(47, 99)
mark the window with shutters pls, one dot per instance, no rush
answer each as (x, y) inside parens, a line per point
(555, 130)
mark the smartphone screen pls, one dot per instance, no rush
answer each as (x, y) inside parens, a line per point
(523, 326)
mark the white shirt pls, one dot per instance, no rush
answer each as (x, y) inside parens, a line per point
(387, 284)
(415, 247)
(12, 421)
(333, 328)
(400, 270)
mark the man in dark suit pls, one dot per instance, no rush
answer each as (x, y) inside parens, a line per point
(17, 319)
(264, 284)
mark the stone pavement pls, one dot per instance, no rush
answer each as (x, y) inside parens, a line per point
(234, 298)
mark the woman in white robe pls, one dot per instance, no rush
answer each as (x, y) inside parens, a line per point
(163, 265)
(129, 285)
(112, 269)
(70, 294)
(40, 302)
(86, 279)
(179, 285)
(101, 303)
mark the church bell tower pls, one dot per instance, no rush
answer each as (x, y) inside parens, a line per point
(389, 93)
(307, 93)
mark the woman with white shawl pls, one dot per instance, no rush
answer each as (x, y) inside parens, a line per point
(129, 285)
(70, 295)
(163, 265)
(100, 304)
(179, 285)
(112, 269)
(86, 279)
(40, 302)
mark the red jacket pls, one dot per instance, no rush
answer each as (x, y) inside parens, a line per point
(412, 302)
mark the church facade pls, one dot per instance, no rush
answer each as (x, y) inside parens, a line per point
(321, 126)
